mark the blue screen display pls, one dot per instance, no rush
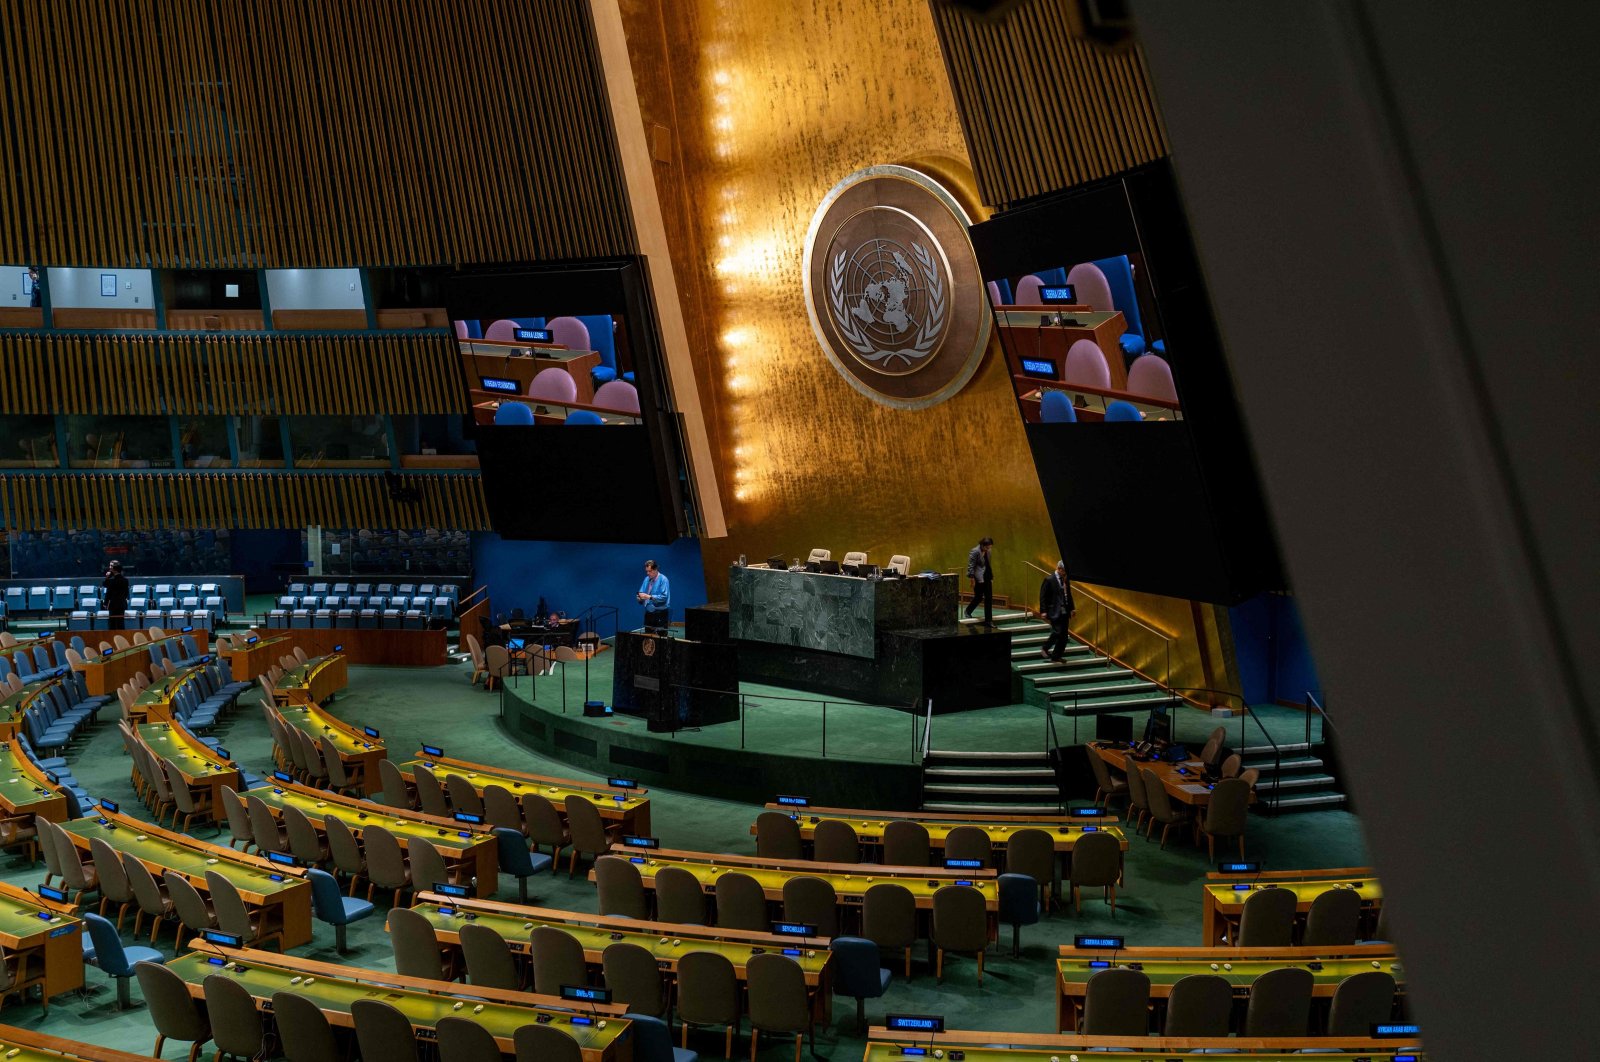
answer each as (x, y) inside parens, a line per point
(915, 1022)
(432, 750)
(464, 816)
(622, 783)
(794, 929)
(1086, 813)
(794, 801)
(371, 732)
(1058, 293)
(444, 888)
(963, 864)
(106, 805)
(1395, 1029)
(1239, 868)
(641, 842)
(1039, 367)
(583, 992)
(280, 776)
(535, 335)
(225, 939)
(281, 858)
(501, 384)
(1097, 942)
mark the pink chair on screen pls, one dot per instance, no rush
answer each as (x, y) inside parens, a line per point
(502, 331)
(1028, 290)
(1086, 365)
(618, 395)
(1151, 376)
(461, 330)
(569, 332)
(554, 385)
(995, 298)
(1090, 286)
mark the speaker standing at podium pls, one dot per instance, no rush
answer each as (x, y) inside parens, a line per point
(656, 597)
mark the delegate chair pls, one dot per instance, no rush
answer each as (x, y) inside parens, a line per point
(834, 841)
(383, 1032)
(464, 1040)
(1280, 1003)
(553, 385)
(1096, 861)
(1116, 1002)
(235, 918)
(889, 919)
(778, 1001)
(1267, 920)
(515, 413)
(1158, 802)
(1028, 291)
(960, 925)
(332, 907)
(1151, 377)
(1118, 411)
(969, 843)
(777, 835)
(542, 1043)
(303, 1029)
(236, 1025)
(741, 903)
(502, 331)
(1055, 407)
(116, 960)
(708, 994)
(1225, 814)
(634, 978)
(557, 960)
(906, 844)
(1086, 365)
(812, 901)
(1199, 1005)
(1019, 906)
(618, 396)
(517, 860)
(653, 1040)
(490, 963)
(590, 834)
(620, 888)
(174, 1013)
(544, 824)
(1334, 919)
(1109, 787)
(1361, 1001)
(856, 974)
(679, 897)
(417, 952)
(1138, 802)
(583, 417)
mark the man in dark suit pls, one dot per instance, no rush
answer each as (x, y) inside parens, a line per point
(981, 572)
(1056, 605)
(114, 594)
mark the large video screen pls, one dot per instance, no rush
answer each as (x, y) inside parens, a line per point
(1120, 379)
(577, 437)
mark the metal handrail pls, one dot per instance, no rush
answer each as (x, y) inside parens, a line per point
(1103, 605)
(1277, 752)
(1327, 724)
(927, 732)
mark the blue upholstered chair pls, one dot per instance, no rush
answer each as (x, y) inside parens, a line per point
(583, 416)
(332, 907)
(513, 413)
(857, 973)
(1019, 906)
(1118, 410)
(653, 1041)
(1055, 407)
(103, 947)
(517, 860)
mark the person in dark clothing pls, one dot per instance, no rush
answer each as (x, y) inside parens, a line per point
(36, 293)
(980, 569)
(1056, 605)
(114, 594)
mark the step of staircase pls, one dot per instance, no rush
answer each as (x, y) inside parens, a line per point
(1312, 802)
(1011, 783)
(1268, 750)
(1028, 647)
(986, 757)
(947, 807)
(1137, 698)
(1041, 669)
(956, 789)
(1295, 781)
(999, 774)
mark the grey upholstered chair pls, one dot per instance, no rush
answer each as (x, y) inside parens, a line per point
(634, 978)
(1096, 862)
(960, 925)
(195, 913)
(148, 894)
(969, 842)
(1158, 803)
(1107, 786)
(777, 836)
(305, 843)
(1138, 802)
(1334, 918)
(557, 960)
(464, 797)
(1267, 920)
(779, 1002)
(1361, 1001)
(1116, 1002)
(679, 897)
(835, 841)
(430, 794)
(386, 862)
(235, 1022)
(490, 963)
(1225, 814)
(236, 919)
(708, 994)
(813, 901)
(906, 844)
(590, 835)
(1280, 1003)
(544, 824)
(741, 903)
(417, 952)
(1033, 852)
(620, 888)
(303, 1030)
(1199, 1005)
(345, 850)
(383, 1032)
(545, 1043)
(464, 1040)
(173, 1011)
(889, 919)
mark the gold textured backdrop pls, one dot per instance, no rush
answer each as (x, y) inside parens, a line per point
(758, 110)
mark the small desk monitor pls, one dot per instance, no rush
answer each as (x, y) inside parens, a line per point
(534, 335)
(1058, 294)
(775, 562)
(1040, 368)
(828, 567)
(501, 384)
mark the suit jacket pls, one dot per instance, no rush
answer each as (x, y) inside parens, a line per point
(976, 562)
(1055, 599)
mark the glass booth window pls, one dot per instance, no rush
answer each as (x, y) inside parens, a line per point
(260, 443)
(354, 441)
(203, 442)
(28, 441)
(119, 442)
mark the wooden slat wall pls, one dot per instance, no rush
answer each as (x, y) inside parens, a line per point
(1042, 110)
(281, 133)
(258, 373)
(252, 500)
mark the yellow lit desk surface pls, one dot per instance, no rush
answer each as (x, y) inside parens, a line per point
(155, 700)
(201, 767)
(360, 752)
(26, 1045)
(457, 842)
(667, 941)
(1238, 966)
(1184, 782)
(632, 811)
(44, 937)
(262, 884)
(23, 788)
(334, 988)
(884, 1045)
(1224, 895)
(314, 681)
(869, 825)
(850, 881)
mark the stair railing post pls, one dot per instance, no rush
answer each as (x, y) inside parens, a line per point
(824, 729)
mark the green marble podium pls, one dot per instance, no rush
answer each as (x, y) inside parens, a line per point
(834, 613)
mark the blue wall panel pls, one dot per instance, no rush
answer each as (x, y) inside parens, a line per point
(571, 576)
(1275, 662)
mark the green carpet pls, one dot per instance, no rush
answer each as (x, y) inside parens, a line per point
(1161, 904)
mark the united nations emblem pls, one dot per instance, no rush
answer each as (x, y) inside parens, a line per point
(893, 289)
(649, 647)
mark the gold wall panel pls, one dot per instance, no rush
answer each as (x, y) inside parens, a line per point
(262, 133)
(768, 106)
(260, 373)
(252, 500)
(1042, 109)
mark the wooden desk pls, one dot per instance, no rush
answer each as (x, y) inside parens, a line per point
(24, 787)
(155, 701)
(850, 881)
(335, 987)
(280, 893)
(359, 752)
(45, 940)
(1184, 782)
(104, 675)
(523, 361)
(16, 705)
(885, 1046)
(26, 1045)
(473, 850)
(1223, 895)
(667, 941)
(253, 661)
(203, 770)
(1022, 336)
(314, 682)
(386, 647)
(545, 411)
(1088, 403)
(1064, 830)
(1238, 966)
(632, 812)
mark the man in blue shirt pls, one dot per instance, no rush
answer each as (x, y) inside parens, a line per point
(656, 597)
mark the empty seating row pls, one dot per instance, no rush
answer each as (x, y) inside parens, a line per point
(392, 619)
(58, 712)
(437, 605)
(171, 619)
(46, 597)
(449, 590)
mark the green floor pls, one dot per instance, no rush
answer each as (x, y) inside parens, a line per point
(1161, 904)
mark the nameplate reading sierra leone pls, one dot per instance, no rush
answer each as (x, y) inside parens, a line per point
(893, 289)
